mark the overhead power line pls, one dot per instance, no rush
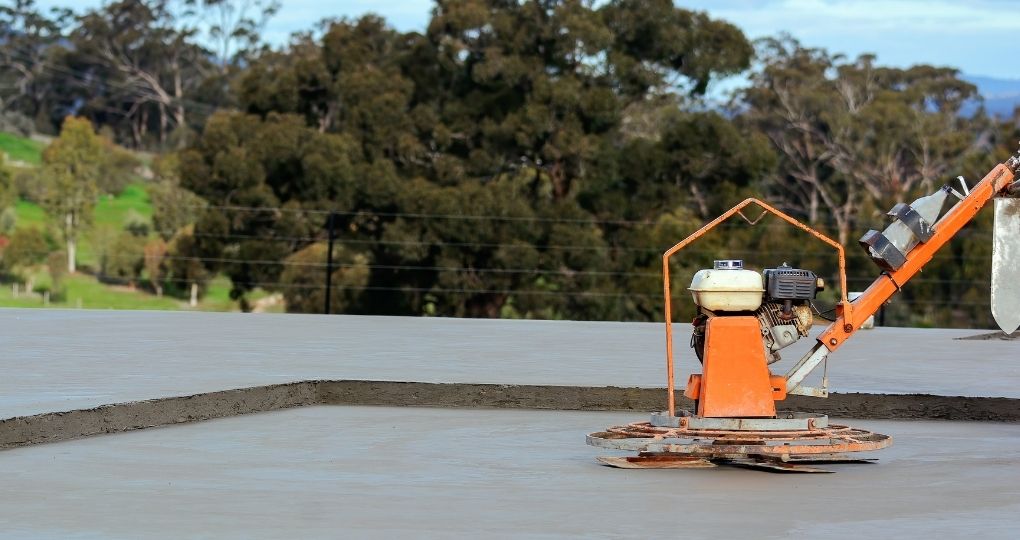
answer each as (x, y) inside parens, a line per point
(565, 272)
(523, 292)
(718, 253)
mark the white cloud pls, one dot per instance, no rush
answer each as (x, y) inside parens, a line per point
(820, 17)
(973, 36)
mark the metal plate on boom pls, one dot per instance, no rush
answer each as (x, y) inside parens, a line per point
(1006, 264)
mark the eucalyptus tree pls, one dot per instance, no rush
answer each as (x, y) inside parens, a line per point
(264, 182)
(134, 52)
(475, 147)
(71, 167)
(30, 43)
(854, 137)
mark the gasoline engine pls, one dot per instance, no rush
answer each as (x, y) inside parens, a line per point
(779, 298)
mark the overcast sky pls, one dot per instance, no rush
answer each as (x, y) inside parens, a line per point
(972, 35)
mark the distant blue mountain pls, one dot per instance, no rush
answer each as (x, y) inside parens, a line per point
(1002, 96)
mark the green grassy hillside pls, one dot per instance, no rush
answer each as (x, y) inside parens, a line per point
(116, 210)
(21, 148)
(85, 290)
(29, 215)
(111, 212)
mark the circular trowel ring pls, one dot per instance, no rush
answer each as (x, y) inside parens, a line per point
(712, 443)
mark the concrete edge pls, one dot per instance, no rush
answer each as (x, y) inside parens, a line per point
(119, 417)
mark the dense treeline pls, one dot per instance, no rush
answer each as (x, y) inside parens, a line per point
(513, 159)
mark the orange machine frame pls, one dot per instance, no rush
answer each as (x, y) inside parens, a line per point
(766, 208)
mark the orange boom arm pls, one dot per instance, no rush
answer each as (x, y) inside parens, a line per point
(889, 283)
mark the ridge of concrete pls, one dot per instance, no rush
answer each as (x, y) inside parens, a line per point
(48, 427)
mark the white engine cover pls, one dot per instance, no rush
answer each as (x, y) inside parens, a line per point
(728, 290)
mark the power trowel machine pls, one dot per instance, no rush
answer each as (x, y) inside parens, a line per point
(744, 318)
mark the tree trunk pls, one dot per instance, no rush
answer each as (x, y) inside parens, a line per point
(72, 252)
(813, 208)
(494, 307)
(844, 220)
(159, 291)
(843, 231)
(485, 306)
(194, 294)
(699, 199)
(179, 120)
(143, 126)
(136, 133)
(162, 125)
(72, 243)
(179, 104)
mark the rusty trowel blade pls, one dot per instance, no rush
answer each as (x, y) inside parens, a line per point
(1006, 264)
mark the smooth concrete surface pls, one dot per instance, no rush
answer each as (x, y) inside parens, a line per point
(56, 360)
(368, 472)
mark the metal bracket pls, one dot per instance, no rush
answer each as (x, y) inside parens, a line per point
(755, 220)
(809, 391)
(822, 392)
(803, 368)
(882, 251)
(917, 224)
(963, 185)
(1014, 189)
(888, 275)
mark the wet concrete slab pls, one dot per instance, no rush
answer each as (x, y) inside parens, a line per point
(377, 472)
(54, 360)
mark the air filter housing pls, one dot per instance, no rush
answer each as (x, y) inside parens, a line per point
(786, 283)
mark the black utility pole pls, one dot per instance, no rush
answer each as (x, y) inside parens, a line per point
(329, 263)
